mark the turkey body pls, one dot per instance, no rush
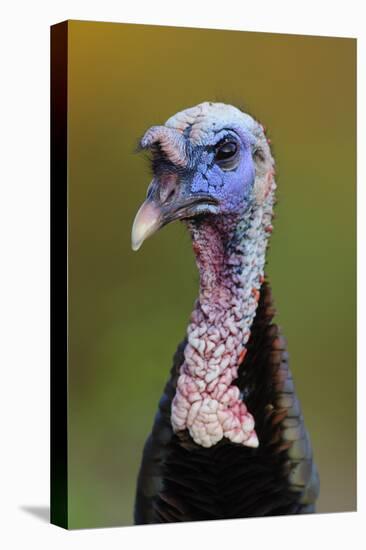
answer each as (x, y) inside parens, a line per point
(182, 481)
(228, 440)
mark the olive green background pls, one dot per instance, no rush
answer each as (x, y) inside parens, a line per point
(128, 311)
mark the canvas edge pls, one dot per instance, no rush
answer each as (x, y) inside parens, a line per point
(59, 270)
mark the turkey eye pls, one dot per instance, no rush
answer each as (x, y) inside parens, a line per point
(226, 151)
(226, 155)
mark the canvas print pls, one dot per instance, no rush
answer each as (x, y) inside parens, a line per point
(203, 274)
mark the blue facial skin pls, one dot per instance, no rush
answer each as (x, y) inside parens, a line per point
(231, 187)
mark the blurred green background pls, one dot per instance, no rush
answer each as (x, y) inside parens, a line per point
(128, 311)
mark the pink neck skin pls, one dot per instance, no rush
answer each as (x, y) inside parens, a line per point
(230, 255)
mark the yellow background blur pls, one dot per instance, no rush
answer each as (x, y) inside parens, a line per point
(128, 311)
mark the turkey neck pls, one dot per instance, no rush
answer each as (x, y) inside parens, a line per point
(218, 247)
(230, 255)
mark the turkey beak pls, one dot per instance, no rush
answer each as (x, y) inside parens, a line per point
(147, 220)
(156, 210)
(167, 201)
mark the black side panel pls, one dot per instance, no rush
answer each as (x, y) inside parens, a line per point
(59, 216)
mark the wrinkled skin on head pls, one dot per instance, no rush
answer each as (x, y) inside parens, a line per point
(190, 178)
(231, 188)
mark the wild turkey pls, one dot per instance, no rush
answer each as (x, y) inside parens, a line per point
(228, 440)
